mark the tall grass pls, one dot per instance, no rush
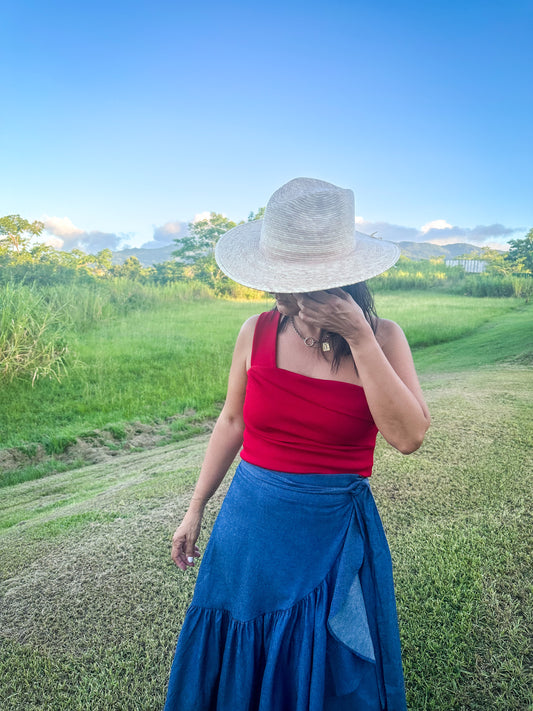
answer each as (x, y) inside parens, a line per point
(416, 275)
(39, 324)
(487, 285)
(435, 275)
(84, 305)
(32, 334)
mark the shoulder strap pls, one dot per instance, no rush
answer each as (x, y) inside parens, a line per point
(264, 345)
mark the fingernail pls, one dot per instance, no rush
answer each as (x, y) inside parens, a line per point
(190, 559)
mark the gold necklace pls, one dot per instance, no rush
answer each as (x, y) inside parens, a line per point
(312, 342)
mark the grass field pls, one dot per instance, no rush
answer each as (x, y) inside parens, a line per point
(91, 603)
(151, 364)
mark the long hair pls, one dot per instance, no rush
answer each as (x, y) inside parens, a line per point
(363, 297)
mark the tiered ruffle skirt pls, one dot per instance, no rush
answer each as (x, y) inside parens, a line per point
(294, 606)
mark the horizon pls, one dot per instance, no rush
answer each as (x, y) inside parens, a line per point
(402, 243)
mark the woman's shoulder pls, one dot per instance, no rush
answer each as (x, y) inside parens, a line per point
(248, 327)
(245, 339)
(251, 323)
(246, 334)
(388, 333)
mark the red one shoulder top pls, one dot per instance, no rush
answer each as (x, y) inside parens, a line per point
(302, 425)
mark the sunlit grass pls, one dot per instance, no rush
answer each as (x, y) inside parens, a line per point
(156, 362)
(143, 366)
(432, 317)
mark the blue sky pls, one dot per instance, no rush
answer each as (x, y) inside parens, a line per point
(122, 120)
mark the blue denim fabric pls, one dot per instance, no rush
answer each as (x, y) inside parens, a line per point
(294, 605)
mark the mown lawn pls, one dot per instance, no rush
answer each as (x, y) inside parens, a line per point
(91, 603)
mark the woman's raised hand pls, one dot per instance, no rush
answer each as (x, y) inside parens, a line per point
(335, 311)
(184, 549)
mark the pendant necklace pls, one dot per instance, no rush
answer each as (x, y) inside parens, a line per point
(312, 342)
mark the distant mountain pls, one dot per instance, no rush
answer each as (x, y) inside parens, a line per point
(413, 250)
(427, 250)
(146, 256)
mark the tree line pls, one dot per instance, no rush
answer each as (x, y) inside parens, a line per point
(23, 260)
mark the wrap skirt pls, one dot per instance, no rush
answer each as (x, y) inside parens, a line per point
(294, 606)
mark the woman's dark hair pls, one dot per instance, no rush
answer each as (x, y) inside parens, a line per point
(362, 296)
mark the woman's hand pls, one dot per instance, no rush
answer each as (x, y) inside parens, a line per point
(184, 549)
(384, 365)
(334, 311)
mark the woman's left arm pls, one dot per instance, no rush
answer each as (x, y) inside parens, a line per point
(384, 364)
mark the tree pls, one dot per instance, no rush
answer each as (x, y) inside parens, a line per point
(495, 261)
(196, 251)
(257, 215)
(520, 253)
(202, 238)
(168, 272)
(131, 269)
(103, 260)
(42, 253)
(16, 232)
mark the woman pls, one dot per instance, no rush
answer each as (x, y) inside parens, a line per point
(294, 604)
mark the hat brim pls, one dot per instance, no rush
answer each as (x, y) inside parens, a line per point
(239, 256)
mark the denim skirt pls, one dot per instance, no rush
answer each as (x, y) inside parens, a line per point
(294, 606)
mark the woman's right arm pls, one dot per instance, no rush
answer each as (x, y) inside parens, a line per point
(224, 444)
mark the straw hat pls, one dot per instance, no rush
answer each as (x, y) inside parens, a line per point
(307, 241)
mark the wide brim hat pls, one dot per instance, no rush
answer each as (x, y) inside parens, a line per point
(306, 241)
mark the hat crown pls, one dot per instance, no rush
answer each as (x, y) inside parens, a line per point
(308, 220)
(306, 242)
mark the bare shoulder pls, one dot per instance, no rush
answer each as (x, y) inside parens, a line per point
(245, 340)
(389, 334)
(249, 325)
(246, 334)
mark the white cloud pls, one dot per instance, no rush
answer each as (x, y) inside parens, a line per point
(55, 242)
(61, 226)
(166, 234)
(169, 228)
(481, 235)
(386, 230)
(61, 233)
(442, 232)
(497, 245)
(444, 240)
(95, 241)
(435, 225)
(202, 216)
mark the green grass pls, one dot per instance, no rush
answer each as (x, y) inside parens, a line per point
(37, 471)
(459, 519)
(429, 318)
(504, 339)
(146, 365)
(32, 335)
(92, 605)
(153, 363)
